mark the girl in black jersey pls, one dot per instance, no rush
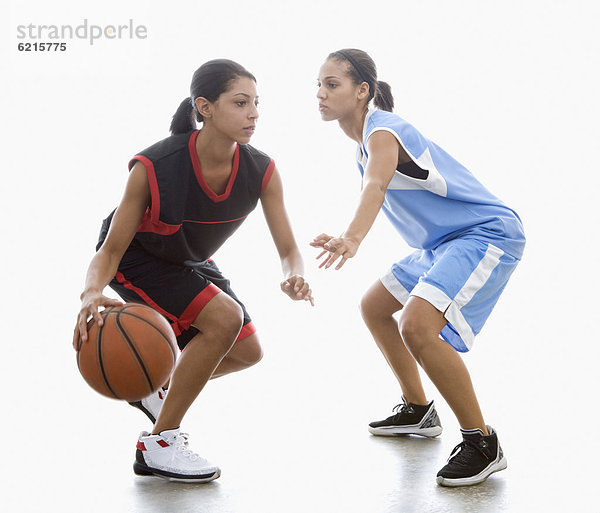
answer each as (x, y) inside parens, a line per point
(185, 196)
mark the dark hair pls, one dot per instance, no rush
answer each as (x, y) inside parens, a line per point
(209, 81)
(361, 68)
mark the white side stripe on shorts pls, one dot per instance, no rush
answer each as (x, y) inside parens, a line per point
(475, 282)
(479, 276)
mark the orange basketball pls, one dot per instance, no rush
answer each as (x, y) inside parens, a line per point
(131, 355)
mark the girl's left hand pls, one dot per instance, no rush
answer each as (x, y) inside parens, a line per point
(334, 248)
(297, 288)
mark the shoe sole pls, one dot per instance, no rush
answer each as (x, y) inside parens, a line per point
(496, 466)
(430, 432)
(139, 406)
(143, 470)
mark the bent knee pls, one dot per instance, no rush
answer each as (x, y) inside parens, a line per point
(366, 307)
(370, 308)
(378, 304)
(415, 334)
(222, 315)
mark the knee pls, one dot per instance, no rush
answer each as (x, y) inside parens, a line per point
(414, 334)
(369, 309)
(377, 305)
(231, 319)
(221, 322)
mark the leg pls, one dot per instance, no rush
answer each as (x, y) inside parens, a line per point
(219, 323)
(420, 325)
(377, 308)
(243, 354)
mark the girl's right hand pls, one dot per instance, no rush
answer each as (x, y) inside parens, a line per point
(319, 241)
(90, 302)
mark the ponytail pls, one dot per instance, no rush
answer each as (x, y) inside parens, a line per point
(383, 96)
(183, 119)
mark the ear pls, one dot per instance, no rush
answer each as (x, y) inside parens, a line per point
(204, 107)
(363, 91)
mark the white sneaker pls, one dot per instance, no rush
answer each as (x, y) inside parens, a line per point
(152, 404)
(168, 456)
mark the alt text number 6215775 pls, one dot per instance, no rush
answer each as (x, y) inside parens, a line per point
(42, 47)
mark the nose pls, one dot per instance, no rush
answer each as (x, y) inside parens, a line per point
(253, 112)
(321, 93)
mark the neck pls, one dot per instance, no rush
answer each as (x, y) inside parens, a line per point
(214, 148)
(352, 125)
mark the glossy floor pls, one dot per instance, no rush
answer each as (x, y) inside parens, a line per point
(290, 440)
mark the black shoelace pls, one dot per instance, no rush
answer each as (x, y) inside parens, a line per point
(468, 449)
(402, 408)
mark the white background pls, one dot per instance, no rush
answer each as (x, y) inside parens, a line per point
(510, 89)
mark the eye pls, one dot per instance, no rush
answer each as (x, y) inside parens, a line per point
(256, 103)
(331, 85)
(241, 103)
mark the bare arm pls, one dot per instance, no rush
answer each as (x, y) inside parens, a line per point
(292, 264)
(105, 262)
(385, 153)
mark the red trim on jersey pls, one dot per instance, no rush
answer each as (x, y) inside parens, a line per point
(147, 299)
(246, 331)
(155, 196)
(150, 221)
(162, 443)
(214, 222)
(268, 175)
(217, 198)
(147, 225)
(140, 446)
(194, 308)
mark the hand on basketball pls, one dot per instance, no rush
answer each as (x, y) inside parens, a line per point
(298, 289)
(89, 308)
(334, 248)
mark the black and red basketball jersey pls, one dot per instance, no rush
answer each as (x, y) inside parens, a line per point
(187, 221)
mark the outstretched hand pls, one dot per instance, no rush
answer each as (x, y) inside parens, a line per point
(334, 248)
(297, 288)
(89, 308)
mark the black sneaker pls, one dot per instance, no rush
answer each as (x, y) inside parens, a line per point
(473, 460)
(410, 419)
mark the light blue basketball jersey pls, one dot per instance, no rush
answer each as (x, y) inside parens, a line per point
(446, 201)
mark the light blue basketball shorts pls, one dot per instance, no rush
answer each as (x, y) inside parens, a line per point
(462, 278)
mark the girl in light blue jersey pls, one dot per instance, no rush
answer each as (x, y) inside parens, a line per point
(467, 241)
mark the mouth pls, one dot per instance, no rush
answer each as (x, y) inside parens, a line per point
(322, 107)
(250, 129)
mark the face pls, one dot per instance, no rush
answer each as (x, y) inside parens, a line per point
(234, 114)
(338, 95)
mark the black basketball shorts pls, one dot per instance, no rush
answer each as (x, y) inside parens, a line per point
(177, 292)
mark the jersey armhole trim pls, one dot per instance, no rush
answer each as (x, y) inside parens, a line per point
(268, 175)
(152, 182)
(393, 132)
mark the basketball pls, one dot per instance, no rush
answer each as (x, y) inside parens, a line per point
(131, 355)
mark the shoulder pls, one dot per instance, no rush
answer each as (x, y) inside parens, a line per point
(164, 148)
(250, 154)
(383, 120)
(405, 133)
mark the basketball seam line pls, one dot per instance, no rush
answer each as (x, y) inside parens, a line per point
(155, 327)
(135, 352)
(99, 344)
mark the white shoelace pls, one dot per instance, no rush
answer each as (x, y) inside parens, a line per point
(181, 443)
